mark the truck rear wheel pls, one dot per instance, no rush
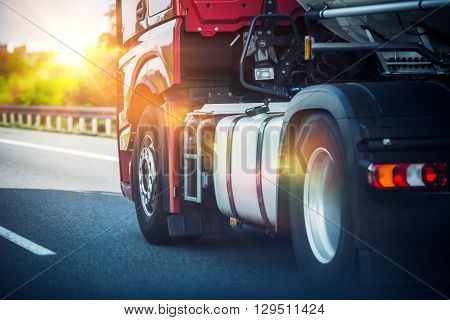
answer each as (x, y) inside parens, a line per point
(320, 206)
(147, 178)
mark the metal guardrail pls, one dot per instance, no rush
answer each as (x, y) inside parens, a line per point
(83, 120)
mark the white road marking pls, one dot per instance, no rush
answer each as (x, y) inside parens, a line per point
(60, 150)
(111, 194)
(25, 243)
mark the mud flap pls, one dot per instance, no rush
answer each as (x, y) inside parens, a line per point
(184, 225)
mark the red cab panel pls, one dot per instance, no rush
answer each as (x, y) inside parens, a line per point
(211, 16)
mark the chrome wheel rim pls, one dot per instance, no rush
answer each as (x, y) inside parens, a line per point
(147, 176)
(322, 205)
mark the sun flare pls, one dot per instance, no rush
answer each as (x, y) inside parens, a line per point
(72, 57)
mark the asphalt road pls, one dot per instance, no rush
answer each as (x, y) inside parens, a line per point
(71, 206)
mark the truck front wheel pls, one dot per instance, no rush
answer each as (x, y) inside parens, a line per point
(320, 206)
(147, 177)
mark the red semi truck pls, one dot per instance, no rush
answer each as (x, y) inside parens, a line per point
(326, 120)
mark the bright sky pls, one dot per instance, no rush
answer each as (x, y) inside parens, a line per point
(75, 22)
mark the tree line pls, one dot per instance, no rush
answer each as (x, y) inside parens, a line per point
(40, 78)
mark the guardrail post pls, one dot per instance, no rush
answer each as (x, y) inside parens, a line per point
(37, 122)
(70, 124)
(28, 119)
(11, 118)
(94, 125)
(58, 123)
(48, 122)
(81, 124)
(20, 118)
(108, 127)
(4, 118)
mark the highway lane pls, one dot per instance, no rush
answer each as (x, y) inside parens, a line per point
(72, 206)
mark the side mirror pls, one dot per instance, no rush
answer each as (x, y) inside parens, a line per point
(141, 9)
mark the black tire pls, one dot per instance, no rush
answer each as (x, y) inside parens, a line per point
(322, 272)
(151, 216)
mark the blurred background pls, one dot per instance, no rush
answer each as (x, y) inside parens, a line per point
(36, 66)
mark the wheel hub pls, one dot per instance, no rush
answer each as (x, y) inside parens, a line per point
(322, 205)
(147, 176)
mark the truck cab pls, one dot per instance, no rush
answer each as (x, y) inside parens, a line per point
(325, 121)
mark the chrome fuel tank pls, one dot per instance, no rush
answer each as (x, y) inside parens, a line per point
(246, 159)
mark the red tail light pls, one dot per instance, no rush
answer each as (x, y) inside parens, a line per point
(400, 174)
(408, 175)
(435, 174)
